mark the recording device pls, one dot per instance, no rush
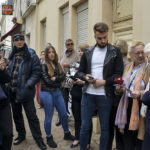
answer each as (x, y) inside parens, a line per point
(0, 57)
(73, 78)
(91, 77)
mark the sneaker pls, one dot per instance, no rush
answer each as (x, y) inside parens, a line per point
(51, 142)
(68, 136)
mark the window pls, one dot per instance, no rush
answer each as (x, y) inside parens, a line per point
(65, 26)
(82, 24)
(43, 34)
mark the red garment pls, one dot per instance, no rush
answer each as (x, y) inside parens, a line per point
(38, 89)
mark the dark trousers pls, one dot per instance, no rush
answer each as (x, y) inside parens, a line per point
(6, 127)
(112, 128)
(65, 93)
(128, 140)
(146, 141)
(33, 121)
(76, 110)
(88, 105)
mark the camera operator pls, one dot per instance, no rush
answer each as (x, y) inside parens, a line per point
(6, 131)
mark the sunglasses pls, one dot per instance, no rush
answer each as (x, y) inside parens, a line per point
(69, 44)
(19, 39)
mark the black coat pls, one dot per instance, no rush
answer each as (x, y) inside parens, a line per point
(4, 78)
(113, 67)
(146, 101)
(28, 75)
(47, 84)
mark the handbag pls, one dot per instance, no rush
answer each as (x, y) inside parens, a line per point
(2, 94)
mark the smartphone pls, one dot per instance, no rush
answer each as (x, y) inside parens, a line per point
(73, 78)
(91, 77)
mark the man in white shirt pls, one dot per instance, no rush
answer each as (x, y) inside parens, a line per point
(99, 66)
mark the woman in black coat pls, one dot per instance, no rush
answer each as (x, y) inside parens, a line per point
(146, 141)
(6, 131)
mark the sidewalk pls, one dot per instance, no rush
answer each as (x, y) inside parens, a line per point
(29, 143)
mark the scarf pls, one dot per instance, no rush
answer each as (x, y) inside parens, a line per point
(121, 116)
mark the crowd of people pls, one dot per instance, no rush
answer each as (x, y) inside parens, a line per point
(88, 77)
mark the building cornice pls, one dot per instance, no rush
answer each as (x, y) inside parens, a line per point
(29, 10)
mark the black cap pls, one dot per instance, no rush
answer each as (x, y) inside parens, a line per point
(17, 36)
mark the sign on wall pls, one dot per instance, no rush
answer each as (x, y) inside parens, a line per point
(7, 9)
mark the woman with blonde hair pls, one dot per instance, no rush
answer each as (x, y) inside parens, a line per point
(123, 46)
(50, 95)
(128, 119)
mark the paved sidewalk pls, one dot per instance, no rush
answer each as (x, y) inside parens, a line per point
(29, 143)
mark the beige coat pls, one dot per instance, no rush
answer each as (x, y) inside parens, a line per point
(73, 57)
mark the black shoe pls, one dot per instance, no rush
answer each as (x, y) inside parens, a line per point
(51, 142)
(69, 137)
(41, 144)
(58, 123)
(18, 140)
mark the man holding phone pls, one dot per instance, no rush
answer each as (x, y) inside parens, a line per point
(99, 66)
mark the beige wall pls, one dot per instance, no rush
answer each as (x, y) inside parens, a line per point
(141, 22)
(30, 23)
(47, 10)
(122, 20)
(52, 11)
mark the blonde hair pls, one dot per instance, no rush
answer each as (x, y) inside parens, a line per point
(122, 44)
(82, 47)
(135, 44)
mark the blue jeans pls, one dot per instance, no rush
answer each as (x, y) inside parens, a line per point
(88, 104)
(49, 101)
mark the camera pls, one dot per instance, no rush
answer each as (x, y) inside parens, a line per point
(91, 77)
(73, 78)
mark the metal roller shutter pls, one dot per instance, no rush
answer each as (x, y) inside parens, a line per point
(82, 24)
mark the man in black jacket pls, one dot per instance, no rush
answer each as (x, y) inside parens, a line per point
(24, 70)
(99, 66)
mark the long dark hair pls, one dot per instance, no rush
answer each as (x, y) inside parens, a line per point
(47, 60)
(55, 62)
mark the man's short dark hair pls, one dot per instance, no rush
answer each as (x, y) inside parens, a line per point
(68, 40)
(100, 27)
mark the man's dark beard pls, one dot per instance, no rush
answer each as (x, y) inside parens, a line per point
(101, 46)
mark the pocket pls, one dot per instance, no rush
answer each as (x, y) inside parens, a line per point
(25, 94)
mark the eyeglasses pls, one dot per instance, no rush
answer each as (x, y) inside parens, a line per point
(138, 53)
(19, 39)
(69, 44)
